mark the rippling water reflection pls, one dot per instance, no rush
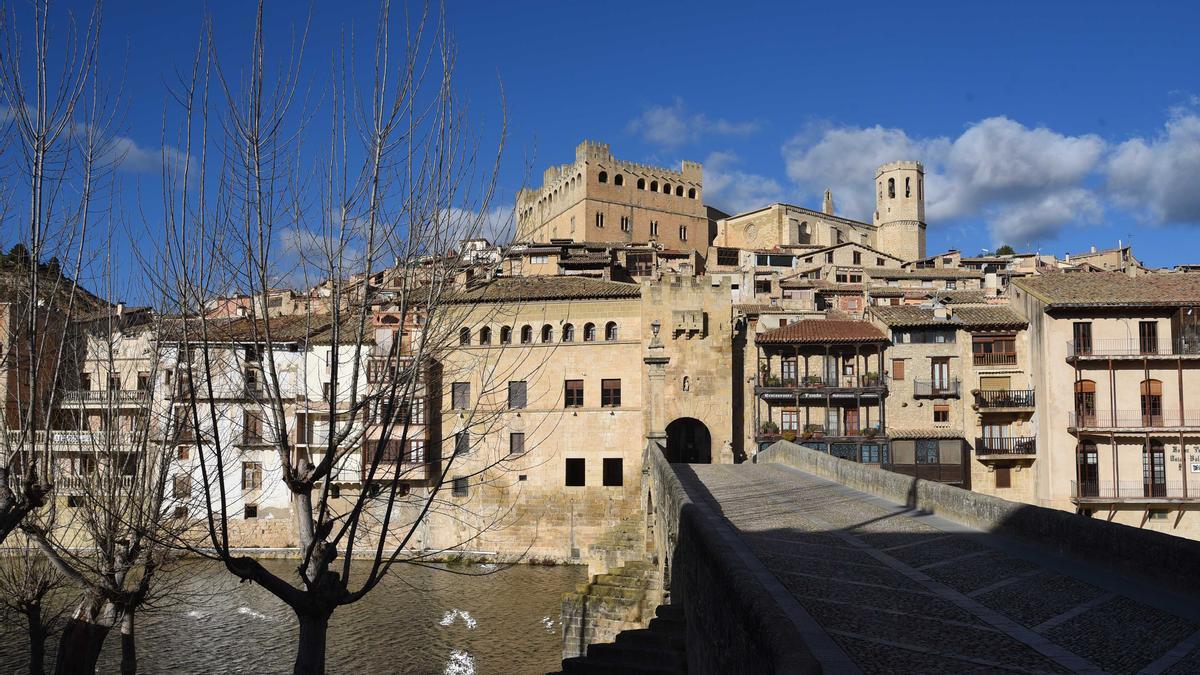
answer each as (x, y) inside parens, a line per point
(418, 621)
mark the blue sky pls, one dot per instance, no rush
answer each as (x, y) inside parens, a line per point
(1050, 126)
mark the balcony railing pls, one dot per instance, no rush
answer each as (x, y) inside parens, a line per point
(84, 396)
(1134, 490)
(819, 382)
(75, 484)
(1134, 419)
(1148, 346)
(1004, 398)
(936, 388)
(995, 359)
(1011, 445)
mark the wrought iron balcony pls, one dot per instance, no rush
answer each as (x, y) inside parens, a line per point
(936, 388)
(1004, 398)
(1134, 419)
(1136, 347)
(1134, 491)
(1009, 446)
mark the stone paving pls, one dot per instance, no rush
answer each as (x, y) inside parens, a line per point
(902, 591)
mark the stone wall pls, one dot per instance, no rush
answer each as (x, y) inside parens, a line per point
(1166, 559)
(733, 623)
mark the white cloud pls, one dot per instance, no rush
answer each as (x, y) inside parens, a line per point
(673, 125)
(1025, 183)
(1158, 176)
(733, 190)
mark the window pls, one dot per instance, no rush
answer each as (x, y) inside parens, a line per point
(879, 262)
(610, 331)
(547, 334)
(762, 285)
(179, 513)
(1152, 410)
(691, 193)
(589, 332)
(576, 472)
(182, 452)
(678, 190)
(568, 333)
(641, 184)
(461, 486)
(666, 188)
(907, 187)
(789, 420)
(614, 474)
(573, 394)
(939, 373)
(727, 256)
(683, 233)
(874, 453)
(539, 259)
(618, 180)
(462, 443)
(1082, 331)
(603, 177)
(251, 427)
(941, 414)
(1154, 470)
(485, 336)
(858, 257)
(995, 350)
(516, 395)
(183, 486)
(460, 395)
(829, 256)
(654, 186)
(251, 475)
(505, 335)
(415, 453)
(416, 411)
(143, 382)
(250, 511)
(625, 223)
(1003, 477)
(927, 451)
(610, 393)
(897, 369)
(1085, 403)
(600, 220)
(891, 188)
(526, 334)
(1148, 337)
(464, 336)
(516, 443)
(654, 228)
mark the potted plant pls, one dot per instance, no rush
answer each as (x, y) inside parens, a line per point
(871, 379)
(870, 432)
(812, 380)
(768, 428)
(816, 430)
(789, 435)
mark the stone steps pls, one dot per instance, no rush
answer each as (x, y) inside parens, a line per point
(622, 599)
(661, 648)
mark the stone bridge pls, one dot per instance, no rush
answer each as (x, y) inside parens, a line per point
(807, 563)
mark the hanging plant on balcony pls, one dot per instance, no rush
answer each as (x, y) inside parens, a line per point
(789, 435)
(816, 430)
(768, 428)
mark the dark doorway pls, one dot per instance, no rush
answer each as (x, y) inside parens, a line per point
(688, 442)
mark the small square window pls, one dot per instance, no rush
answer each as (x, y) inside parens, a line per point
(941, 414)
(74, 501)
(516, 443)
(183, 452)
(460, 394)
(179, 513)
(576, 472)
(610, 393)
(251, 511)
(461, 487)
(613, 472)
(1003, 477)
(462, 443)
(573, 393)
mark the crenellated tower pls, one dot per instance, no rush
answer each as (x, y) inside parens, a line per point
(900, 209)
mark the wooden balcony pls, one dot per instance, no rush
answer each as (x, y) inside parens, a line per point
(1004, 400)
(1012, 447)
(995, 359)
(1134, 492)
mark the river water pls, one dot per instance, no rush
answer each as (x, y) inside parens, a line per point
(419, 620)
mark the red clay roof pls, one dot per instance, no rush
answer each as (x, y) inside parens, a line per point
(823, 330)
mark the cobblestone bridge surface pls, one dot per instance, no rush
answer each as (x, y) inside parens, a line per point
(877, 587)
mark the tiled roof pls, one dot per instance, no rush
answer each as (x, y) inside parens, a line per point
(759, 308)
(1112, 289)
(508, 289)
(931, 273)
(960, 297)
(932, 433)
(294, 328)
(823, 330)
(887, 291)
(989, 316)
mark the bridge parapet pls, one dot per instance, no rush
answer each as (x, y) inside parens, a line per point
(735, 622)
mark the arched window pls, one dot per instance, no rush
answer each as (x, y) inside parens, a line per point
(568, 333)
(687, 383)
(691, 193)
(547, 334)
(526, 334)
(485, 336)
(618, 180)
(654, 186)
(464, 336)
(1152, 412)
(641, 184)
(666, 188)
(506, 335)
(907, 188)
(678, 190)
(610, 331)
(891, 188)
(589, 332)
(1085, 403)
(603, 176)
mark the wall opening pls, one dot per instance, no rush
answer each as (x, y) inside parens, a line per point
(688, 442)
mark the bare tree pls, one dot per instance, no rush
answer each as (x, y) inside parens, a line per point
(57, 150)
(31, 598)
(344, 390)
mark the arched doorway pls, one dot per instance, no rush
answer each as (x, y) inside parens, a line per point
(688, 442)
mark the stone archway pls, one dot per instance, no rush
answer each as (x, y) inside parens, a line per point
(688, 442)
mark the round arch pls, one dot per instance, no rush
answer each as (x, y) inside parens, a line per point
(688, 442)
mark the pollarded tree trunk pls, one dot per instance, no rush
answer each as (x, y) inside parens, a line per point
(128, 646)
(84, 635)
(310, 653)
(37, 639)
